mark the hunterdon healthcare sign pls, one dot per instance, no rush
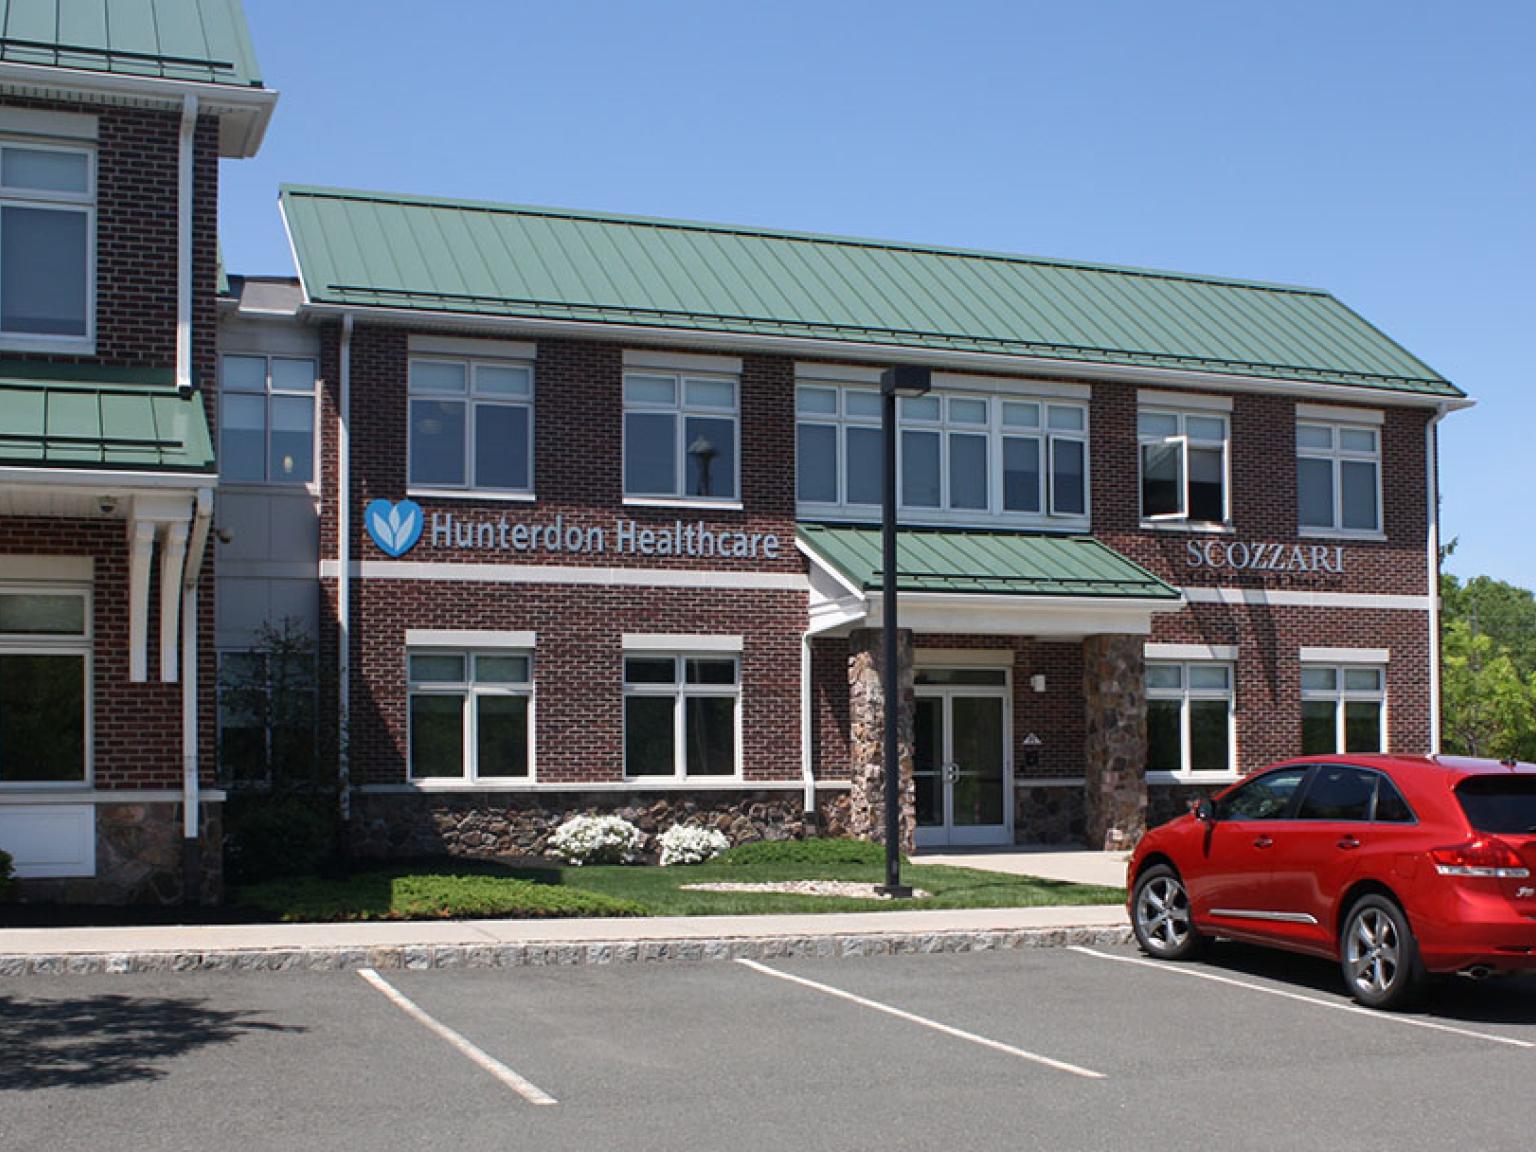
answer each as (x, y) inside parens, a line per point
(397, 528)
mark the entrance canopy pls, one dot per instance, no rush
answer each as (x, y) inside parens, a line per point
(1000, 583)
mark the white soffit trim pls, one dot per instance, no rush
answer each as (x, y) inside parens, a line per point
(681, 362)
(467, 638)
(1157, 398)
(944, 613)
(1338, 414)
(679, 642)
(562, 574)
(1282, 598)
(964, 657)
(422, 343)
(1227, 652)
(1346, 655)
(41, 122)
(71, 569)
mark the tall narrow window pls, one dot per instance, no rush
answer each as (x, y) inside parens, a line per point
(1343, 708)
(267, 419)
(47, 242)
(471, 425)
(44, 664)
(681, 715)
(1189, 717)
(1338, 477)
(471, 715)
(680, 436)
(1183, 466)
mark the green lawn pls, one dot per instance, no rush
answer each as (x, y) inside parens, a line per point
(465, 889)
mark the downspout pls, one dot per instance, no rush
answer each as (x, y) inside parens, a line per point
(807, 772)
(344, 577)
(191, 799)
(184, 177)
(1432, 559)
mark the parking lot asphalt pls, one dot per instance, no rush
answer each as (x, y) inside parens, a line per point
(1053, 1049)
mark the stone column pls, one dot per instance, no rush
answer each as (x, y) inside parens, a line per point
(1115, 758)
(866, 714)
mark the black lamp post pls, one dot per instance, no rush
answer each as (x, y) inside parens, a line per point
(903, 380)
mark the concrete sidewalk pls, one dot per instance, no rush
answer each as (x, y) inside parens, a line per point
(1077, 865)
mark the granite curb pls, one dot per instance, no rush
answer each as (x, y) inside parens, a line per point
(333, 958)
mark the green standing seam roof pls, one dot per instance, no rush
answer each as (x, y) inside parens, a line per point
(199, 41)
(470, 258)
(987, 563)
(102, 425)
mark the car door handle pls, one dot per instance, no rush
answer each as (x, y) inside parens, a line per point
(1263, 842)
(1349, 842)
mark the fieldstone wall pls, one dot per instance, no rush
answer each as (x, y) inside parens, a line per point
(866, 705)
(1055, 815)
(487, 825)
(1115, 755)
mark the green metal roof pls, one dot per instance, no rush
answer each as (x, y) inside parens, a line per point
(989, 563)
(202, 41)
(463, 257)
(102, 424)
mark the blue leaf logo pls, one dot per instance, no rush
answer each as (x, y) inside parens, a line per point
(395, 528)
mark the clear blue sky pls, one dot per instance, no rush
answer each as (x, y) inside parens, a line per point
(1383, 151)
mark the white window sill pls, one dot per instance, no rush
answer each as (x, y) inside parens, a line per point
(627, 784)
(1193, 777)
(1203, 527)
(472, 494)
(1340, 534)
(682, 502)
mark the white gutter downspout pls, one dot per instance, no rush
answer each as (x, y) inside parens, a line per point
(184, 173)
(1432, 547)
(344, 573)
(807, 773)
(191, 799)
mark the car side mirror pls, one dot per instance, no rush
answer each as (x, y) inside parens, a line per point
(1205, 811)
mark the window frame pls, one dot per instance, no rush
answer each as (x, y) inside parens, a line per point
(470, 690)
(1183, 696)
(1340, 696)
(81, 202)
(1182, 440)
(680, 410)
(473, 401)
(1336, 457)
(995, 432)
(679, 691)
(268, 393)
(72, 644)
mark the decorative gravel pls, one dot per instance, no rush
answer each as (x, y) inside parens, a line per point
(805, 888)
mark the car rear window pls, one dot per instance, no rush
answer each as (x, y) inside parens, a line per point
(1499, 803)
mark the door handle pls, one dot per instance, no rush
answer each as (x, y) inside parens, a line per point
(1263, 842)
(1349, 842)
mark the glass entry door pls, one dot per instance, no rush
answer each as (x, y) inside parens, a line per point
(960, 758)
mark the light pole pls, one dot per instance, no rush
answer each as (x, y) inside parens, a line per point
(902, 380)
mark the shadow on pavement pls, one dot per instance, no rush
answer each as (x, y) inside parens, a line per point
(90, 1042)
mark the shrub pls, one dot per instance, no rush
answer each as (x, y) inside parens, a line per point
(805, 852)
(596, 840)
(7, 868)
(681, 844)
(267, 836)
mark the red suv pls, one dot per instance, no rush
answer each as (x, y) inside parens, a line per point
(1395, 866)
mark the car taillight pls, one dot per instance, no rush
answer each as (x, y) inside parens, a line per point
(1484, 856)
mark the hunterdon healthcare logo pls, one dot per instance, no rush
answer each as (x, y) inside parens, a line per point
(396, 528)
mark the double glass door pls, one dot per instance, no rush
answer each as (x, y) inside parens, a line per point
(960, 758)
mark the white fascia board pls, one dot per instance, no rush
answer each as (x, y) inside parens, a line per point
(941, 613)
(1223, 652)
(680, 642)
(1160, 398)
(1338, 414)
(467, 638)
(1346, 655)
(892, 354)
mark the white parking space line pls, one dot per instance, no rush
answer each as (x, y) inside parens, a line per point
(529, 1092)
(959, 1033)
(1355, 1009)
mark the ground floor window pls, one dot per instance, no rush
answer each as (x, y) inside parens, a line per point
(44, 687)
(1343, 709)
(681, 715)
(471, 715)
(1189, 717)
(268, 708)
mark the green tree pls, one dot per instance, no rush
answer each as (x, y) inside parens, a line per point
(1488, 668)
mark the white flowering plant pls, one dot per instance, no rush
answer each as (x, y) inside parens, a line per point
(682, 844)
(597, 840)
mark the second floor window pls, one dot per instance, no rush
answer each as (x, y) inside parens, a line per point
(1338, 477)
(680, 436)
(47, 210)
(1183, 466)
(471, 425)
(267, 419)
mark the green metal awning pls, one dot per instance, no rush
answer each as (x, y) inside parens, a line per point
(985, 563)
(111, 424)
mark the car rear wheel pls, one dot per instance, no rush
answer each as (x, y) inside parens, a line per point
(1160, 916)
(1379, 955)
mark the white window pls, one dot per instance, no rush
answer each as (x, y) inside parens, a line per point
(1338, 477)
(1343, 708)
(471, 425)
(1189, 717)
(471, 716)
(267, 419)
(45, 665)
(47, 245)
(680, 436)
(682, 715)
(959, 457)
(1183, 466)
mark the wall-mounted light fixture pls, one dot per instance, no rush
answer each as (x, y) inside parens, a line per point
(1037, 682)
